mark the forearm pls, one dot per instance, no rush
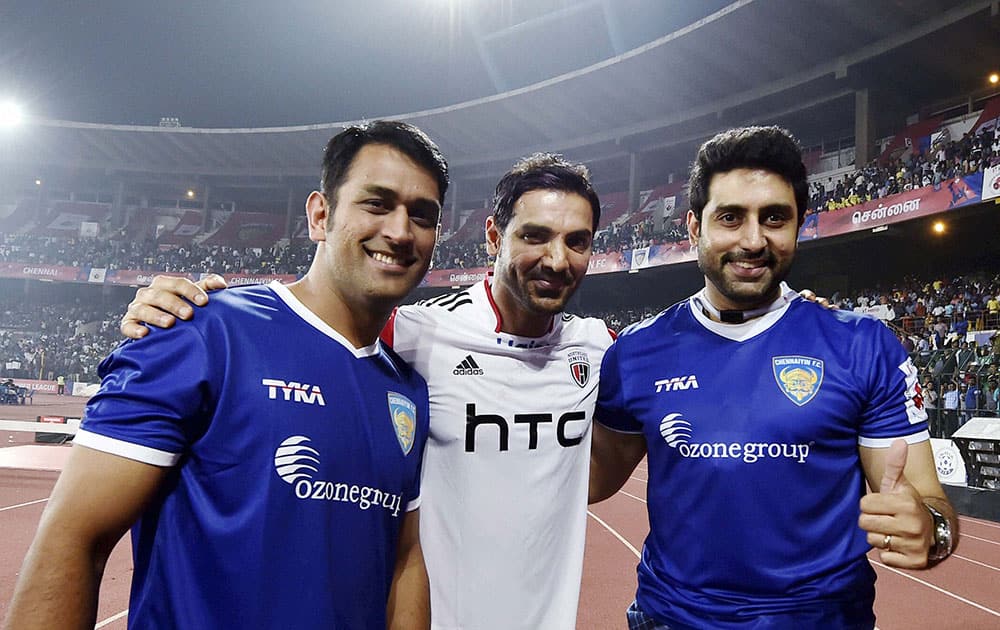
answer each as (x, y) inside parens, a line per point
(613, 458)
(57, 594)
(409, 606)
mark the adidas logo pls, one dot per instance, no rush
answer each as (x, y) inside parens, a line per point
(468, 367)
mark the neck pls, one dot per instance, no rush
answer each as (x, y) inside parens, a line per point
(515, 319)
(742, 312)
(360, 325)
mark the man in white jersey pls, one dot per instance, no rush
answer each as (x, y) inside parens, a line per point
(513, 383)
(764, 416)
(257, 502)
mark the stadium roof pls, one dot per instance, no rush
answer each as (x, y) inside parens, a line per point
(752, 60)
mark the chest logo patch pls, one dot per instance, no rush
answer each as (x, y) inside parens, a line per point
(403, 414)
(579, 367)
(799, 378)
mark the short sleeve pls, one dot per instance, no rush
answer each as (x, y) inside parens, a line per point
(153, 399)
(611, 411)
(895, 406)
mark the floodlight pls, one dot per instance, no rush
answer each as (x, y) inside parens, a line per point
(190, 194)
(38, 182)
(994, 78)
(939, 227)
(10, 114)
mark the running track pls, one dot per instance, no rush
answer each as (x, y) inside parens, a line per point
(961, 593)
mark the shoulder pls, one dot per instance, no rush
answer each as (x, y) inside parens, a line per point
(223, 303)
(652, 325)
(403, 369)
(590, 328)
(848, 320)
(438, 307)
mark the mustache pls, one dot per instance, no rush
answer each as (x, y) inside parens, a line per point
(564, 278)
(766, 256)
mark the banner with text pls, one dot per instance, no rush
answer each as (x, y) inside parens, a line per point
(904, 206)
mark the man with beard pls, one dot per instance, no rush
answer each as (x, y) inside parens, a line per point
(513, 383)
(763, 416)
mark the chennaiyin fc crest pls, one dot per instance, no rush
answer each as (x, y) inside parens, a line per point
(403, 413)
(798, 378)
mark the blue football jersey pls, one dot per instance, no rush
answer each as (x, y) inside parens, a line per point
(754, 474)
(294, 457)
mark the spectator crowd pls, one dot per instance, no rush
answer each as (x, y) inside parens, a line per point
(938, 166)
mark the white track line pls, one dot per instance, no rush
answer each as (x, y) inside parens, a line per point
(632, 496)
(982, 564)
(979, 521)
(638, 479)
(614, 533)
(20, 505)
(937, 588)
(964, 536)
(101, 624)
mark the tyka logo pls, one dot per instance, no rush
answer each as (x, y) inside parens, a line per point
(294, 392)
(676, 383)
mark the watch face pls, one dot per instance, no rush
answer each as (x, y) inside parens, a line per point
(942, 536)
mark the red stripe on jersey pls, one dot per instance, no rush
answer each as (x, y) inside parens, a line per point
(389, 331)
(493, 305)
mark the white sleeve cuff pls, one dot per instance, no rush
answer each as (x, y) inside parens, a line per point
(125, 449)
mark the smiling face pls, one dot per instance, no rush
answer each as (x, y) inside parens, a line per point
(378, 241)
(540, 257)
(746, 237)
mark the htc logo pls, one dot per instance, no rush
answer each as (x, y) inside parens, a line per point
(474, 421)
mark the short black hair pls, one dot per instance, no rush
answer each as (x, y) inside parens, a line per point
(542, 171)
(404, 137)
(770, 148)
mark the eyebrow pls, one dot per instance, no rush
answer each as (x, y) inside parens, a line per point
(548, 230)
(735, 207)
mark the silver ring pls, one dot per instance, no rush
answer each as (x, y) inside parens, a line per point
(887, 542)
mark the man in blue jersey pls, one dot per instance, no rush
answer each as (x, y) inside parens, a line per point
(764, 415)
(272, 475)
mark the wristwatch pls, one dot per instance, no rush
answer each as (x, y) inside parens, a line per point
(941, 548)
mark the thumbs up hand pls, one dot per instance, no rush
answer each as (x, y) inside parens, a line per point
(895, 518)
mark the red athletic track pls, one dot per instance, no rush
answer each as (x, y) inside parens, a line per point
(961, 593)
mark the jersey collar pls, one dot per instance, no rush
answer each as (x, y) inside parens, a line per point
(300, 309)
(764, 319)
(488, 287)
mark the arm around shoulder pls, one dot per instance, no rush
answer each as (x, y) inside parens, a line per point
(97, 498)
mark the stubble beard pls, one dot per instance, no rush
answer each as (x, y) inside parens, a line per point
(746, 295)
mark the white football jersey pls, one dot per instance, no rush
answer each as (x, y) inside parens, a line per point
(504, 488)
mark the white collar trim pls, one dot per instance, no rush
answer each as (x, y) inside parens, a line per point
(300, 309)
(748, 329)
